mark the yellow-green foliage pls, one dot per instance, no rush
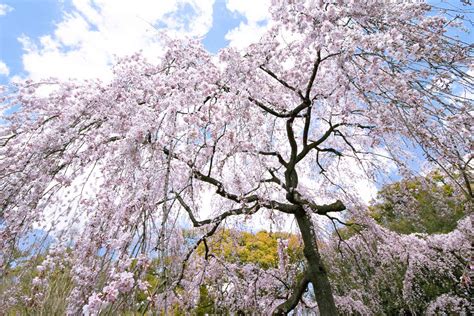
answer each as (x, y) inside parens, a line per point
(260, 248)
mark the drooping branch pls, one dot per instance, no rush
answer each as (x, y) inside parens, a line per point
(221, 190)
(330, 150)
(216, 221)
(191, 251)
(211, 180)
(269, 204)
(276, 154)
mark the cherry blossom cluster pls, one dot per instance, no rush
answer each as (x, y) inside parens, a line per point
(333, 95)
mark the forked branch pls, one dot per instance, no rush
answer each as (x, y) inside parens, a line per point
(288, 305)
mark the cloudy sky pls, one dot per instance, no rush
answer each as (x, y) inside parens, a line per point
(81, 38)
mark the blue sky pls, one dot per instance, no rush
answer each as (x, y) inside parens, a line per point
(34, 18)
(81, 38)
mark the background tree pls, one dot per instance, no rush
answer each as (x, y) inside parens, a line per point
(420, 205)
(327, 98)
(373, 269)
(383, 274)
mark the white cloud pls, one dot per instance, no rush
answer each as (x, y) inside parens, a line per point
(252, 10)
(256, 14)
(245, 34)
(94, 32)
(4, 9)
(4, 69)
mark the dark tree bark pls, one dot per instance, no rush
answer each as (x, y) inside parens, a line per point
(287, 306)
(316, 271)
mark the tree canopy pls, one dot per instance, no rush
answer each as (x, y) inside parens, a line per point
(333, 95)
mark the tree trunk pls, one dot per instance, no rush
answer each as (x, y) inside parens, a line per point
(316, 271)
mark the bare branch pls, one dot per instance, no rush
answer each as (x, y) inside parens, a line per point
(321, 209)
(315, 144)
(276, 154)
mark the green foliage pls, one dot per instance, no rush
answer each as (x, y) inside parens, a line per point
(45, 300)
(421, 205)
(206, 303)
(260, 248)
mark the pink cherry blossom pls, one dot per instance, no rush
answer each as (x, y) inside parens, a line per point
(297, 127)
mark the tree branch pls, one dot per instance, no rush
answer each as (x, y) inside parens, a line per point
(269, 110)
(269, 204)
(321, 209)
(276, 154)
(307, 124)
(287, 306)
(315, 144)
(281, 81)
(313, 76)
(238, 211)
(275, 179)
